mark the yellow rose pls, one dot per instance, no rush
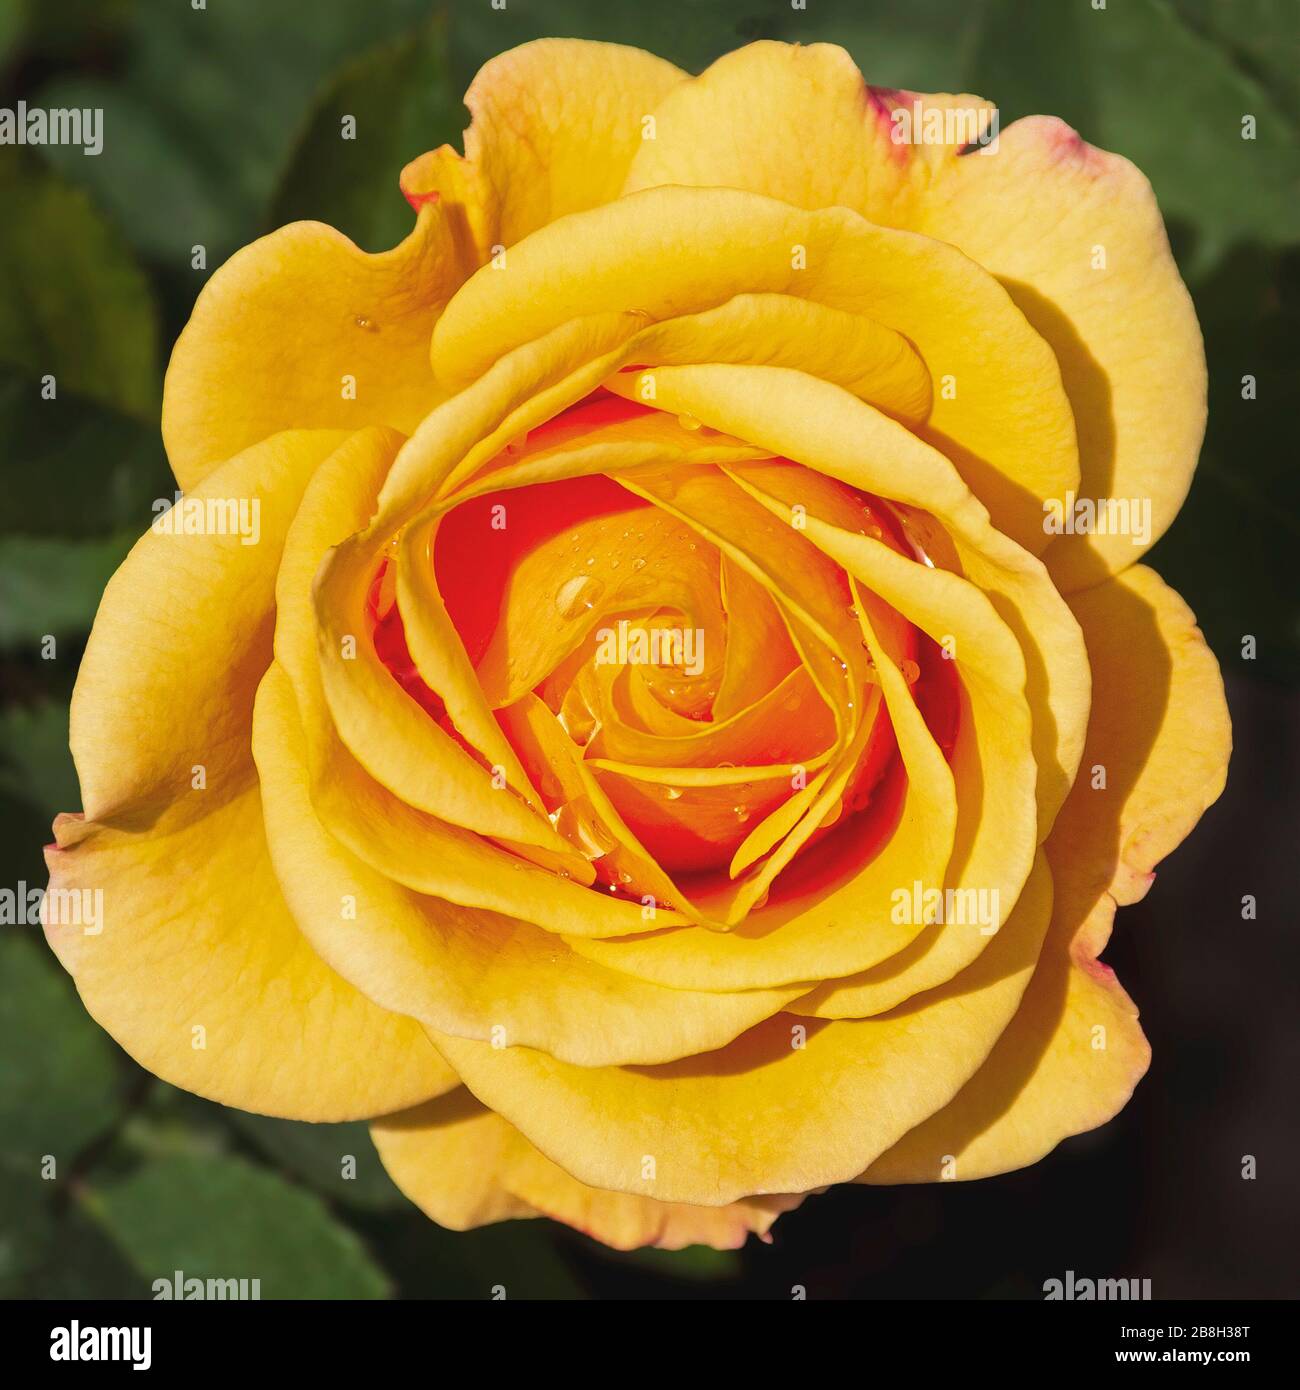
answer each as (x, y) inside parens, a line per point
(649, 690)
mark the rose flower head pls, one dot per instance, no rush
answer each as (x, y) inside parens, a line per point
(650, 693)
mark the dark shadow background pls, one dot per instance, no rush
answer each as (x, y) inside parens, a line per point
(222, 123)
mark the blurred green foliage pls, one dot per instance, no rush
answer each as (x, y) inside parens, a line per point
(222, 123)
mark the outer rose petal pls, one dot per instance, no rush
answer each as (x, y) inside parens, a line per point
(280, 325)
(1033, 212)
(1160, 729)
(763, 1114)
(1125, 334)
(465, 1166)
(556, 124)
(185, 625)
(196, 936)
(195, 931)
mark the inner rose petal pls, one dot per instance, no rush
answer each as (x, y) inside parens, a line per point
(674, 727)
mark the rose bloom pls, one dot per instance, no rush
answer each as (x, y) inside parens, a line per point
(691, 709)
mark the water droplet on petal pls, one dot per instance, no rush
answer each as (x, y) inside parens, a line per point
(578, 822)
(577, 596)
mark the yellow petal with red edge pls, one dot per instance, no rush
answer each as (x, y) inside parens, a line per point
(199, 971)
(556, 123)
(470, 971)
(1071, 1057)
(666, 252)
(1081, 247)
(826, 136)
(1068, 1062)
(465, 1167)
(1073, 232)
(304, 330)
(786, 1107)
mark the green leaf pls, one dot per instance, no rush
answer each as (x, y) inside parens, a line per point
(401, 102)
(73, 303)
(319, 1155)
(698, 32)
(50, 1250)
(1262, 37)
(923, 46)
(75, 467)
(194, 162)
(62, 1085)
(1135, 79)
(172, 1123)
(53, 587)
(518, 1258)
(26, 1226)
(35, 764)
(80, 1261)
(215, 1217)
(78, 319)
(1228, 552)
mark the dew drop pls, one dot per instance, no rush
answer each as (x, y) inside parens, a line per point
(578, 822)
(577, 596)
